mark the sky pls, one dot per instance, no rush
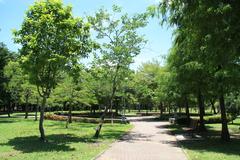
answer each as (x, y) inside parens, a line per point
(159, 38)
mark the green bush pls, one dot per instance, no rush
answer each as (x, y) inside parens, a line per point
(79, 119)
(215, 119)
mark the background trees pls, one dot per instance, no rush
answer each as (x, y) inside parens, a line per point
(5, 57)
(200, 72)
(205, 42)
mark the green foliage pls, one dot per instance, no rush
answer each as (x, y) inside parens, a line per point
(46, 50)
(5, 57)
(120, 45)
(74, 92)
(18, 86)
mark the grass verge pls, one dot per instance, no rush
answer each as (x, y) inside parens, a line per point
(19, 139)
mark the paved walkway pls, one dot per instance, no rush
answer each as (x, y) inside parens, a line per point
(148, 140)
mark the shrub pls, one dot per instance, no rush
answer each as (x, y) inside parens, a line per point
(215, 119)
(78, 119)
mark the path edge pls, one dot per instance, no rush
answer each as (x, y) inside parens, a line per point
(99, 154)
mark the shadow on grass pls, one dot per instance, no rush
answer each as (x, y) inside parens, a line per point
(214, 145)
(112, 134)
(7, 121)
(210, 143)
(56, 142)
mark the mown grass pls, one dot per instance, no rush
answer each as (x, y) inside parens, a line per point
(19, 139)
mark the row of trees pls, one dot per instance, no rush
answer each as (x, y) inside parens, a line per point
(203, 64)
(53, 42)
(204, 59)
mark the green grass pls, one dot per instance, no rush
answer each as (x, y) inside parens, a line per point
(19, 139)
(212, 147)
(234, 128)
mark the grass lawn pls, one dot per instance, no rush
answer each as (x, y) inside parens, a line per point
(19, 139)
(212, 147)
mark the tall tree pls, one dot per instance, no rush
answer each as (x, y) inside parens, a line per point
(210, 28)
(52, 40)
(120, 44)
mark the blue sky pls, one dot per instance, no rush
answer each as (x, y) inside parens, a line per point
(159, 38)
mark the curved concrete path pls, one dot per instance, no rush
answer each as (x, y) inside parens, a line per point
(148, 140)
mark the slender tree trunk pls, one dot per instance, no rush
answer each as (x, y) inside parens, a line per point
(201, 111)
(98, 129)
(213, 107)
(111, 110)
(225, 133)
(116, 109)
(187, 108)
(69, 119)
(169, 109)
(42, 109)
(26, 107)
(161, 109)
(9, 110)
(36, 109)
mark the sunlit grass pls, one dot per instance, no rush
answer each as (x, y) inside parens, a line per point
(19, 139)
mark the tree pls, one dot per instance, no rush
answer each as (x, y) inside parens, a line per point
(72, 91)
(52, 40)
(5, 57)
(120, 44)
(209, 29)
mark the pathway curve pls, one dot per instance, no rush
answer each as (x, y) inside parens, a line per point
(148, 140)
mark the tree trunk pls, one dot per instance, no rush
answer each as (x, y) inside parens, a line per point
(161, 109)
(9, 109)
(225, 133)
(36, 109)
(41, 129)
(187, 108)
(98, 129)
(69, 119)
(169, 109)
(26, 107)
(213, 107)
(116, 109)
(111, 110)
(201, 111)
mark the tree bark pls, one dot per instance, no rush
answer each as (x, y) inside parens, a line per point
(161, 109)
(225, 133)
(187, 108)
(36, 109)
(9, 109)
(26, 107)
(41, 129)
(213, 107)
(98, 129)
(69, 119)
(201, 111)
(169, 109)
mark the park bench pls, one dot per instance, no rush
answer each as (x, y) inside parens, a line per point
(193, 126)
